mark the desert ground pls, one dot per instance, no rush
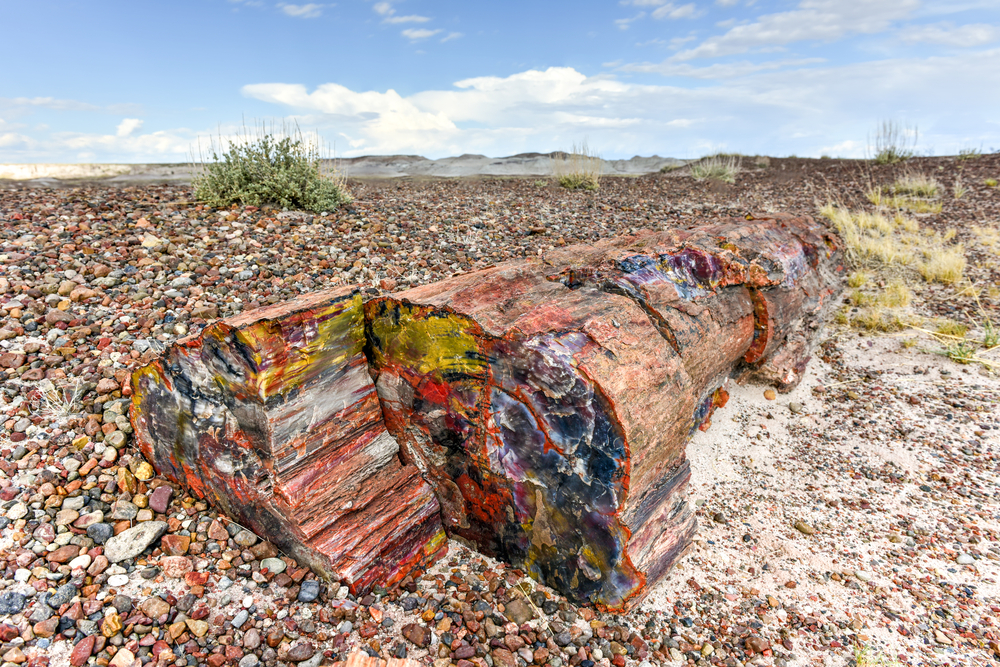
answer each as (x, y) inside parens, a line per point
(855, 520)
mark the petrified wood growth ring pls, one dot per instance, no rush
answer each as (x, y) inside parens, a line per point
(537, 409)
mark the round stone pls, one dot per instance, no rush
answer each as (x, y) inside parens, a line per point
(273, 565)
(117, 580)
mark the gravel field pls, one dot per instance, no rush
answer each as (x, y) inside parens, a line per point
(861, 510)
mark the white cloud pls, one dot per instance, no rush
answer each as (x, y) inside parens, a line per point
(820, 20)
(415, 34)
(726, 3)
(450, 36)
(748, 107)
(623, 24)
(13, 140)
(310, 11)
(386, 10)
(664, 10)
(413, 18)
(128, 126)
(669, 11)
(947, 34)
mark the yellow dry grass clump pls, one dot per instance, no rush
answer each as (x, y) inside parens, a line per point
(878, 240)
(579, 170)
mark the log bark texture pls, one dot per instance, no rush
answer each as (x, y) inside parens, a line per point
(273, 417)
(549, 402)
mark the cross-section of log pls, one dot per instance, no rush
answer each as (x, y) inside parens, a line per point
(549, 402)
(273, 417)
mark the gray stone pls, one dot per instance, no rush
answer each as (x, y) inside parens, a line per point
(100, 532)
(309, 590)
(123, 510)
(61, 596)
(11, 602)
(133, 541)
(240, 618)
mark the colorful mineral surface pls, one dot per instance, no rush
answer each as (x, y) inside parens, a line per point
(273, 417)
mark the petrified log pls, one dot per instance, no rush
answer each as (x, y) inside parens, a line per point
(545, 404)
(273, 417)
(549, 402)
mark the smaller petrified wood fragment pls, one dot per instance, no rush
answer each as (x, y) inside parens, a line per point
(273, 417)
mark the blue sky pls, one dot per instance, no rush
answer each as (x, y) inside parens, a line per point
(140, 81)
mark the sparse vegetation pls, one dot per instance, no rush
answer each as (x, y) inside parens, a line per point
(866, 656)
(958, 190)
(262, 168)
(578, 170)
(857, 279)
(59, 403)
(916, 184)
(969, 153)
(991, 182)
(952, 329)
(893, 142)
(944, 266)
(717, 167)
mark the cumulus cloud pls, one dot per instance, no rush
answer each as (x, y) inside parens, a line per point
(748, 107)
(128, 126)
(947, 34)
(817, 20)
(309, 11)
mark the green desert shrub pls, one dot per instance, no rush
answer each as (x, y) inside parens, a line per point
(264, 168)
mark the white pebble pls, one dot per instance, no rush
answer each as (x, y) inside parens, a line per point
(965, 559)
(81, 562)
(117, 580)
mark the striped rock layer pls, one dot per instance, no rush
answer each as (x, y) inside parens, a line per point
(541, 408)
(273, 417)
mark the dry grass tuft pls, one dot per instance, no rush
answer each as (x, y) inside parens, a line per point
(579, 170)
(857, 279)
(718, 167)
(916, 184)
(951, 328)
(944, 266)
